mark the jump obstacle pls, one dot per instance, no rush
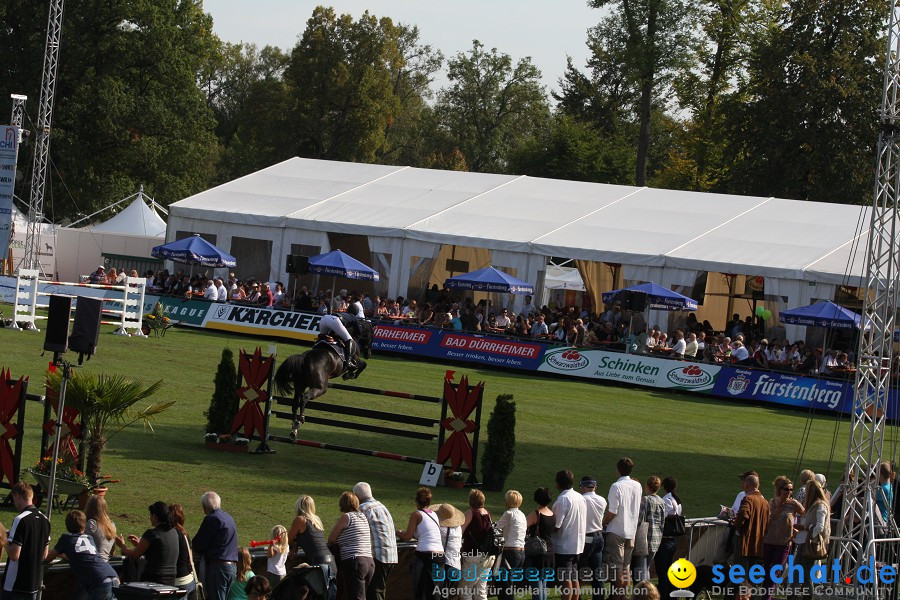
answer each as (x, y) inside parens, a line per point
(130, 295)
(456, 434)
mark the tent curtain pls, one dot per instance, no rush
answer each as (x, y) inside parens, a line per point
(383, 252)
(597, 278)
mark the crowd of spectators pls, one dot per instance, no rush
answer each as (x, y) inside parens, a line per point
(742, 342)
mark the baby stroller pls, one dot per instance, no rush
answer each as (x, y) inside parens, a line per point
(303, 583)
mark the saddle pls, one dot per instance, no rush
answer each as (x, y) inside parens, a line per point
(326, 341)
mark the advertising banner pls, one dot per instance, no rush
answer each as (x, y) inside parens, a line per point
(263, 321)
(455, 345)
(9, 148)
(785, 388)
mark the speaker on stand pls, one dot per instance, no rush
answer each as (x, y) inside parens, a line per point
(56, 335)
(86, 328)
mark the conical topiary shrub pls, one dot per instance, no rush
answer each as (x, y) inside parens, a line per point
(500, 451)
(224, 403)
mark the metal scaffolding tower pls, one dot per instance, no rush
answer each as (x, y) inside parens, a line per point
(18, 111)
(42, 135)
(856, 527)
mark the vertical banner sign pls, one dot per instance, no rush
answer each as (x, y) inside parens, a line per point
(9, 146)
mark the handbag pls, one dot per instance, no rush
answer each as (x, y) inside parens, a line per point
(673, 526)
(816, 547)
(199, 594)
(641, 544)
(535, 546)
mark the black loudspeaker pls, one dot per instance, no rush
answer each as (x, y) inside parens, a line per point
(635, 301)
(56, 337)
(297, 264)
(86, 329)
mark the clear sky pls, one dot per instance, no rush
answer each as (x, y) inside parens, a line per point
(545, 30)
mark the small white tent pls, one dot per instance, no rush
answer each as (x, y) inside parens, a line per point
(123, 242)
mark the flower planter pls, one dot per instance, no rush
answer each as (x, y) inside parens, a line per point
(63, 486)
(229, 447)
(456, 484)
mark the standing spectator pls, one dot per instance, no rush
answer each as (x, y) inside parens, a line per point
(27, 545)
(216, 541)
(621, 519)
(650, 522)
(512, 523)
(665, 554)
(541, 523)
(783, 510)
(384, 539)
(307, 534)
(529, 310)
(816, 521)
(451, 520)
(592, 556)
(750, 522)
(276, 555)
(221, 290)
(424, 526)
(570, 527)
(93, 573)
(351, 534)
(478, 521)
(184, 569)
(159, 545)
(99, 526)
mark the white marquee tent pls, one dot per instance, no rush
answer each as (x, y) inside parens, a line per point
(132, 233)
(803, 249)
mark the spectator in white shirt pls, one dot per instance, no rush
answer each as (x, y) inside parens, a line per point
(221, 291)
(622, 512)
(529, 310)
(592, 556)
(680, 345)
(512, 522)
(692, 348)
(570, 513)
(211, 292)
(665, 555)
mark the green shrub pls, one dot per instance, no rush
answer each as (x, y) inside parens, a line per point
(224, 403)
(498, 459)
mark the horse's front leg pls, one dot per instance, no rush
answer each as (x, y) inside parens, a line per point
(310, 394)
(360, 367)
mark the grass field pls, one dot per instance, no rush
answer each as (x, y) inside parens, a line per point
(562, 423)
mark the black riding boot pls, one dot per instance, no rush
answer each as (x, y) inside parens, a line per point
(348, 354)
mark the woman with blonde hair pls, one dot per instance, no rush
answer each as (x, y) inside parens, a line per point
(276, 555)
(805, 476)
(815, 522)
(513, 524)
(307, 534)
(783, 510)
(99, 526)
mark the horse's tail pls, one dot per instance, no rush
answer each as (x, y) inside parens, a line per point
(284, 376)
(366, 336)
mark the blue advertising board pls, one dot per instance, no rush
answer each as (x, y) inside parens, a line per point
(458, 346)
(784, 388)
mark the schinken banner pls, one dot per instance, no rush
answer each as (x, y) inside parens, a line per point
(630, 368)
(9, 148)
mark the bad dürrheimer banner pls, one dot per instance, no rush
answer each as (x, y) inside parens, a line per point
(9, 147)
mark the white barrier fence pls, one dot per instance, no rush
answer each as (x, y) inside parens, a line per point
(130, 295)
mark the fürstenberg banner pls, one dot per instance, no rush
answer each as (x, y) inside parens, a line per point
(9, 147)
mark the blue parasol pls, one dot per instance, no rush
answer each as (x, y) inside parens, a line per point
(821, 314)
(194, 250)
(339, 264)
(489, 279)
(659, 298)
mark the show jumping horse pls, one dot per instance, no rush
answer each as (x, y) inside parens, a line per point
(306, 375)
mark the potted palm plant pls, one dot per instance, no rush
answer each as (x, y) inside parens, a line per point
(107, 405)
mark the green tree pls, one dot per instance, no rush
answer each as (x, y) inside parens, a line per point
(650, 41)
(490, 107)
(128, 110)
(809, 126)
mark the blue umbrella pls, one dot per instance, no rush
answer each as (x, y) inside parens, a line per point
(194, 250)
(821, 314)
(489, 279)
(659, 298)
(339, 264)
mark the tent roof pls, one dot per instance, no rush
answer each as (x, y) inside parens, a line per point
(612, 223)
(136, 219)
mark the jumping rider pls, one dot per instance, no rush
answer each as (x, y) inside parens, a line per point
(332, 324)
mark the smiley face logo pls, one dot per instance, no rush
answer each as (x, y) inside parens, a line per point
(682, 573)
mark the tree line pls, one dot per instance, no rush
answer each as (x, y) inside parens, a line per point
(747, 97)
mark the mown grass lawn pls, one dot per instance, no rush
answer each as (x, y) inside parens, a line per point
(562, 423)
